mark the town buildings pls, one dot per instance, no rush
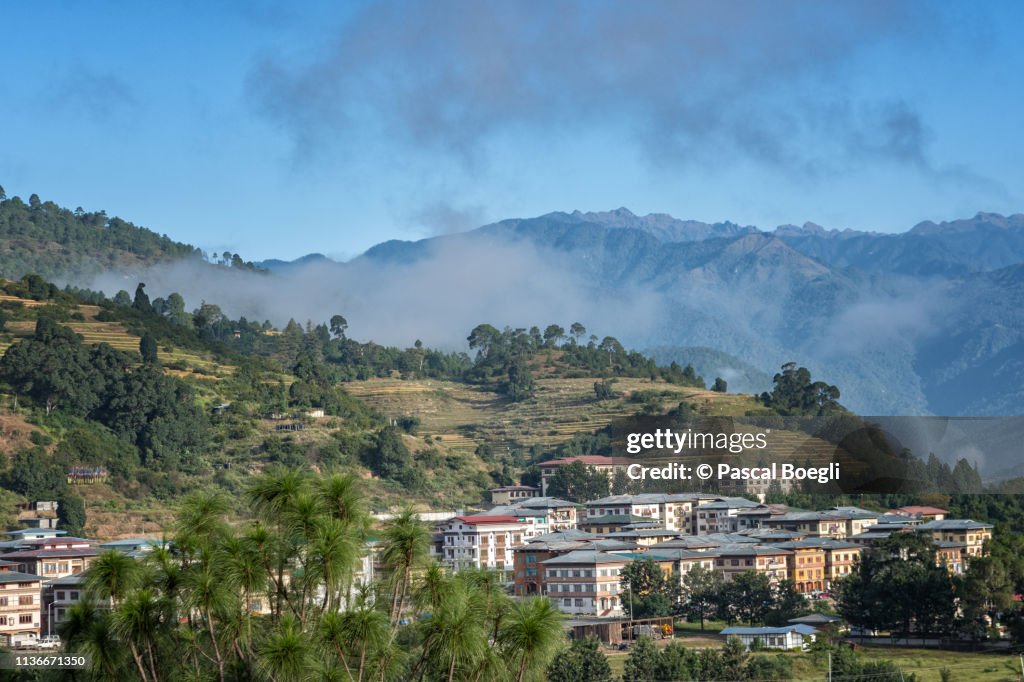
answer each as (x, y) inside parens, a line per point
(482, 541)
(20, 607)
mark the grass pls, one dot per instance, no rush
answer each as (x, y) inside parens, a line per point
(926, 664)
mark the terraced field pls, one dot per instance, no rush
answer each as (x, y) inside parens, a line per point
(94, 331)
(464, 416)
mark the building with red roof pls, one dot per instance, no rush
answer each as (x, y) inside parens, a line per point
(924, 513)
(481, 541)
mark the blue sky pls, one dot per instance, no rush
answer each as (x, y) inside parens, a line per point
(277, 130)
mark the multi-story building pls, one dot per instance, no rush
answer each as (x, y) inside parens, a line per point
(53, 557)
(857, 520)
(840, 557)
(558, 514)
(806, 565)
(923, 513)
(734, 559)
(58, 597)
(720, 515)
(644, 537)
(482, 541)
(613, 523)
(967, 532)
(513, 494)
(585, 582)
(685, 560)
(952, 555)
(20, 607)
(813, 524)
(669, 511)
(528, 576)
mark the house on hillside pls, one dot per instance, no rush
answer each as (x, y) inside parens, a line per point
(513, 494)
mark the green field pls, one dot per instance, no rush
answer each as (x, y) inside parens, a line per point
(926, 664)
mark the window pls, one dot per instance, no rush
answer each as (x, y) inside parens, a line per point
(25, 618)
(60, 596)
(25, 600)
(579, 602)
(567, 602)
(3, 601)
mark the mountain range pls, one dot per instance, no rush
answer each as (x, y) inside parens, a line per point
(928, 321)
(924, 322)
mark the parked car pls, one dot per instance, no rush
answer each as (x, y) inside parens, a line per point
(49, 642)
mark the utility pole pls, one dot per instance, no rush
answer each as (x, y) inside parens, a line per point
(830, 666)
(1021, 666)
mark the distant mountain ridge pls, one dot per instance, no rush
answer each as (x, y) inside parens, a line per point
(925, 321)
(921, 322)
(988, 241)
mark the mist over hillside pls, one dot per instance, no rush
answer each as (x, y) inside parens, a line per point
(922, 322)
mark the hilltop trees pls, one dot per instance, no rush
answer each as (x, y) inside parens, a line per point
(795, 394)
(153, 411)
(89, 240)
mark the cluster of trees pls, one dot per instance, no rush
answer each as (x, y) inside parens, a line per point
(749, 597)
(794, 394)
(578, 482)
(92, 241)
(900, 589)
(190, 609)
(504, 356)
(138, 403)
(583, 661)
(649, 663)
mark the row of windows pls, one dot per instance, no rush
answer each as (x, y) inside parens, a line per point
(23, 619)
(582, 572)
(612, 588)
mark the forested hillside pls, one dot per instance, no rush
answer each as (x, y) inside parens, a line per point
(46, 239)
(151, 400)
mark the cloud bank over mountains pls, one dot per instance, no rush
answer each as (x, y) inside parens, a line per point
(933, 329)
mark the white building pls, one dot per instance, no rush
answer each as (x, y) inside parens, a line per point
(483, 541)
(787, 637)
